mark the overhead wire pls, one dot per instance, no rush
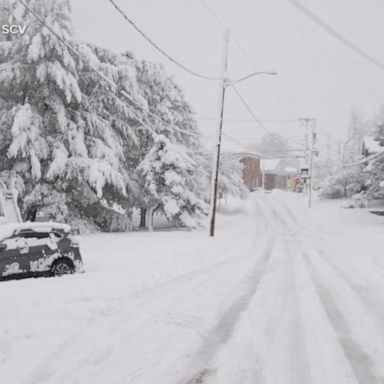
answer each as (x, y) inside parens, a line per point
(249, 60)
(307, 12)
(245, 54)
(158, 48)
(239, 120)
(252, 113)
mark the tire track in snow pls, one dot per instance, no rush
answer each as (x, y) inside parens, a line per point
(47, 368)
(360, 361)
(366, 291)
(298, 369)
(298, 351)
(175, 290)
(224, 328)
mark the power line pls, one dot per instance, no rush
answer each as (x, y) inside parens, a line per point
(103, 76)
(368, 159)
(266, 84)
(213, 14)
(334, 33)
(241, 145)
(258, 121)
(239, 120)
(245, 55)
(150, 41)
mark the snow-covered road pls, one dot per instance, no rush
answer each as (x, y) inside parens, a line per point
(281, 295)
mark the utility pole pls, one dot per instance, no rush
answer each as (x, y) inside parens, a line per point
(328, 149)
(306, 122)
(310, 141)
(216, 160)
(313, 143)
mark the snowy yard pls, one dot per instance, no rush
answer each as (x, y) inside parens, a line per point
(281, 295)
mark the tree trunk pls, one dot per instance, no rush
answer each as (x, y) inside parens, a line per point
(150, 212)
(31, 214)
(143, 213)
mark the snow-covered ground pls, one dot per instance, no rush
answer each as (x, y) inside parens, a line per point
(281, 295)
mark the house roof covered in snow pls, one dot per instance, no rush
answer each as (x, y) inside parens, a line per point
(269, 165)
(371, 145)
(291, 170)
(238, 150)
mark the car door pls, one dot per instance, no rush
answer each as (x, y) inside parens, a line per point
(13, 251)
(37, 243)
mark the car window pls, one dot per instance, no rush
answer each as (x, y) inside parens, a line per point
(34, 235)
(13, 242)
(35, 239)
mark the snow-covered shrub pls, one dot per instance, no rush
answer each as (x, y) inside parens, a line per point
(330, 189)
(109, 220)
(374, 175)
(83, 227)
(346, 183)
(357, 201)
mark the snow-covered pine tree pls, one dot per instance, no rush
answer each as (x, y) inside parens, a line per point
(111, 118)
(175, 122)
(54, 144)
(356, 130)
(7, 17)
(374, 178)
(168, 175)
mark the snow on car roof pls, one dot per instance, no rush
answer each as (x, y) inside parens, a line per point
(9, 228)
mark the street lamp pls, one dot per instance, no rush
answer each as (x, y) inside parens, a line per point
(253, 74)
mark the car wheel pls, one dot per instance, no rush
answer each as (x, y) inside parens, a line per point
(62, 267)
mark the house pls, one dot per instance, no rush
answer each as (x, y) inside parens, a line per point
(371, 146)
(251, 170)
(279, 173)
(251, 164)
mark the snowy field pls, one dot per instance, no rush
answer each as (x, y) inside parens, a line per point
(281, 295)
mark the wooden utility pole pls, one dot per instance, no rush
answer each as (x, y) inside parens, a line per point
(313, 143)
(310, 141)
(216, 159)
(329, 149)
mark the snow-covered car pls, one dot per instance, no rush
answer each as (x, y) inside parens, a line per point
(36, 249)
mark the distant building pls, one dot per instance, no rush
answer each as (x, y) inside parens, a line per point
(279, 173)
(251, 168)
(251, 171)
(251, 164)
(371, 146)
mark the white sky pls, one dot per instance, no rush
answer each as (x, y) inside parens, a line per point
(317, 75)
